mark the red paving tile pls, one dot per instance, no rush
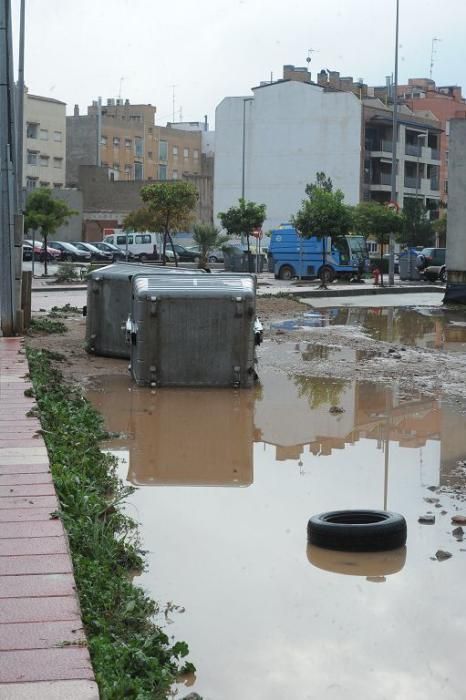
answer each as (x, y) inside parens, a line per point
(38, 605)
(17, 515)
(17, 479)
(27, 490)
(31, 502)
(45, 665)
(52, 528)
(38, 545)
(39, 635)
(39, 609)
(35, 564)
(36, 586)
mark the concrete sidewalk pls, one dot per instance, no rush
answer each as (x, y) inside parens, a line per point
(41, 632)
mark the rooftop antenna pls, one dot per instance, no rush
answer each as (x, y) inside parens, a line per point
(433, 52)
(173, 102)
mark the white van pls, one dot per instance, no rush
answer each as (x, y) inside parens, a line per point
(142, 246)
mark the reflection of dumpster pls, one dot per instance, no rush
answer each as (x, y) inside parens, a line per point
(408, 269)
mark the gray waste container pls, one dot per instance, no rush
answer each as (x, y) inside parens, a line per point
(193, 331)
(407, 264)
(109, 304)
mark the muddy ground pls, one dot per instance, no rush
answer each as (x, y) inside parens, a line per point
(340, 351)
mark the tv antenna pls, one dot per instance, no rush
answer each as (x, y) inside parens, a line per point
(433, 53)
(173, 101)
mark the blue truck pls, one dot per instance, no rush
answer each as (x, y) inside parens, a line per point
(290, 255)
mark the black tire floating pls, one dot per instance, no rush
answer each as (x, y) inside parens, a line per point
(357, 530)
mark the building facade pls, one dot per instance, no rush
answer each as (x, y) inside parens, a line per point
(271, 144)
(131, 146)
(44, 142)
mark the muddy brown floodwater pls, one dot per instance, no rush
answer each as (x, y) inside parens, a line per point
(227, 482)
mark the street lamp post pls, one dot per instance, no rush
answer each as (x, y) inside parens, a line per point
(391, 261)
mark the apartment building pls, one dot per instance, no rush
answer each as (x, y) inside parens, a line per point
(131, 146)
(44, 142)
(271, 144)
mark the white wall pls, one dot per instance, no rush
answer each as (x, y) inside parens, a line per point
(293, 130)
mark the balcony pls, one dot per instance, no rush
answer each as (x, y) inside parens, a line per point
(382, 146)
(435, 154)
(413, 183)
(413, 149)
(381, 179)
(434, 184)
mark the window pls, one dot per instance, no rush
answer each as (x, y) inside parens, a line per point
(446, 156)
(58, 162)
(57, 185)
(149, 130)
(162, 172)
(116, 142)
(31, 183)
(116, 166)
(196, 154)
(44, 134)
(175, 151)
(121, 240)
(32, 130)
(43, 183)
(186, 152)
(44, 161)
(138, 144)
(32, 157)
(57, 136)
(128, 171)
(163, 150)
(371, 247)
(175, 174)
(138, 171)
(128, 143)
(142, 238)
(445, 186)
(103, 140)
(149, 154)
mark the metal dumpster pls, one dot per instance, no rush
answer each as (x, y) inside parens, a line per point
(407, 264)
(193, 331)
(109, 304)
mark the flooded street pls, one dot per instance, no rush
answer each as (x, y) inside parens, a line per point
(227, 482)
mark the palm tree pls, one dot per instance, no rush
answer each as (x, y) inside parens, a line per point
(208, 238)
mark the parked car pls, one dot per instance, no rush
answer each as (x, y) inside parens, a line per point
(114, 250)
(182, 254)
(69, 252)
(430, 257)
(96, 254)
(39, 253)
(434, 273)
(142, 246)
(213, 257)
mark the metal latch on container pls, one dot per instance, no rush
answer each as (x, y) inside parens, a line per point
(131, 329)
(153, 375)
(239, 305)
(153, 306)
(236, 376)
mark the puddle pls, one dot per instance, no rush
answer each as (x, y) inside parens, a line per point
(429, 327)
(228, 481)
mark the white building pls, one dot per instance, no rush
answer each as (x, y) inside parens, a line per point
(270, 146)
(44, 142)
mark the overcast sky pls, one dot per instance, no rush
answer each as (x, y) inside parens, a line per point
(209, 49)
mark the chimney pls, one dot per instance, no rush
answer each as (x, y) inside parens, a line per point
(76, 111)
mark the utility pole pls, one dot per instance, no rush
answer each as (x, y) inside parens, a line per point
(20, 104)
(8, 183)
(391, 260)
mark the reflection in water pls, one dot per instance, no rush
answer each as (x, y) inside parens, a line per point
(357, 563)
(435, 328)
(260, 621)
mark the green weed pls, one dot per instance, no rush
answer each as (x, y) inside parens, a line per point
(47, 325)
(131, 655)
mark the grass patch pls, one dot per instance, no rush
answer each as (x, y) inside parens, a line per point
(64, 311)
(66, 273)
(47, 325)
(131, 655)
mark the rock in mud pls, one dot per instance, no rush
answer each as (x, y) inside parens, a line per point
(432, 500)
(458, 532)
(426, 519)
(335, 410)
(442, 555)
(459, 519)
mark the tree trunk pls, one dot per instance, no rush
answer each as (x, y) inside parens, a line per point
(164, 248)
(249, 253)
(381, 263)
(324, 259)
(44, 246)
(173, 249)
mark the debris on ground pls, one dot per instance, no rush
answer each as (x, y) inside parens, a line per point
(458, 532)
(426, 519)
(442, 555)
(459, 520)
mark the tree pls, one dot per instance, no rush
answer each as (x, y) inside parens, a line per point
(207, 238)
(416, 229)
(440, 229)
(169, 207)
(45, 214)
(321, 215)
(375, 219)
(243, 219)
